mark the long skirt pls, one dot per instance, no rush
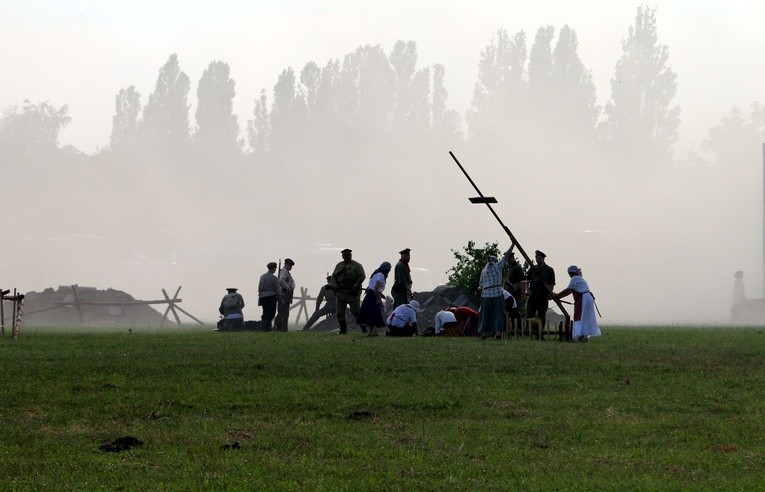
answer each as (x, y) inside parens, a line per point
(492, 318)
(371, 313)
(588, 325)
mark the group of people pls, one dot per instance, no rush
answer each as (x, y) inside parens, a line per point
(342, 291)
(502, 297)
(347, 282)
(275, 295)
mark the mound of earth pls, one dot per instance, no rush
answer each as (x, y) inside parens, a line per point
(111, 308)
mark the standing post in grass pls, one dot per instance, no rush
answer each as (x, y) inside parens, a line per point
(488, 200)
(2, 312)
(18, 306)
(17, 303)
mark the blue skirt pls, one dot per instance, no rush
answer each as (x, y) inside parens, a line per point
(492, 318)
(370, 313)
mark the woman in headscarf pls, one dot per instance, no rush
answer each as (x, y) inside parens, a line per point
(371, 312)
(585, 322)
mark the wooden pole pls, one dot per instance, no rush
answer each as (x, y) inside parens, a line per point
(18, 306)
(532, 268)
(77, 304)
(171, 305)
(179, 308)
(2, 315)
(301, 305)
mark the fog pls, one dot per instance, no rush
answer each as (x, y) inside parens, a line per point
(657, 243)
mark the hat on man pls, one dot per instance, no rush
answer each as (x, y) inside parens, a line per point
(346, 250)
(271, 264)
(539, 253)
(573, 269)
(414, 305)
(288, 261)
(231, 289)
(405, 251)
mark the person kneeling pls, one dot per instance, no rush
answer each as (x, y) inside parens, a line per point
(446, 324)
(402, 322)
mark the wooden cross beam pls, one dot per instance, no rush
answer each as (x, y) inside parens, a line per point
(481, 199)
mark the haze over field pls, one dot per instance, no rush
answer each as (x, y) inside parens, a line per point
(658, 237)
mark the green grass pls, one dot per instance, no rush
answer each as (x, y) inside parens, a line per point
(636, 409)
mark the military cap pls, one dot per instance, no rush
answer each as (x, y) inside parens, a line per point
(405, 251)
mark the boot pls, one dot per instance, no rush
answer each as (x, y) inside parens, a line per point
(343, 326)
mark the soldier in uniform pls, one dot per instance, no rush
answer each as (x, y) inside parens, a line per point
(287, 283)
(330, 306)
(541, 283)
(402, 280)
(346, 282)
(269, 293)
(231, 309)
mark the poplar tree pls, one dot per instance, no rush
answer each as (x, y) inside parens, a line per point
(217, 126)
(127, 110)
(641, 122)
(495, 118)
(165, 123)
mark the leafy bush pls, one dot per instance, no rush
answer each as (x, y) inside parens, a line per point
(466, 273)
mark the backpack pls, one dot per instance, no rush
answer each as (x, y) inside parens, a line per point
(231, 301)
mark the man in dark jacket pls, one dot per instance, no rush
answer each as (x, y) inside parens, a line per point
(347, 278)
(402, 280)
(541, 283)
(325, 294)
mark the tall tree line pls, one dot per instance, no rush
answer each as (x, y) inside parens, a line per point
(371, 100)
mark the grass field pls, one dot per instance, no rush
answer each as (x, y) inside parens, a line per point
(636, 409)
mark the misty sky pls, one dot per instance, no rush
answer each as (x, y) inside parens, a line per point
(657, 238)
(82, 52)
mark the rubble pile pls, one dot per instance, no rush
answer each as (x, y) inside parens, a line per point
(57, 308)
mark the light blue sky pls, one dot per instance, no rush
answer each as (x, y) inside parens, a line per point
(81, 52)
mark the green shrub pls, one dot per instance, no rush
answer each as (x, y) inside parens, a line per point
(467, 272)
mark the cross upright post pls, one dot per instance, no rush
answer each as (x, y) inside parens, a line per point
(488, 200)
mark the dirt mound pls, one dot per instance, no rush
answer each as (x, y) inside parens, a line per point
(111, 308)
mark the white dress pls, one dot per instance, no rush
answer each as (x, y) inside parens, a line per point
(587, 325)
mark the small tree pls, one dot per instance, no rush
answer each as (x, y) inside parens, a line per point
(34, 128)
(470, 262)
